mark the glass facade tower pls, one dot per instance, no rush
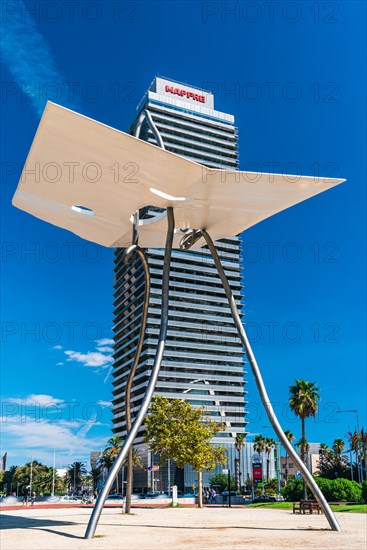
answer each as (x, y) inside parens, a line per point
(203, 360)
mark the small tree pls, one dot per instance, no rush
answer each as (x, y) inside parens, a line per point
(220, 482)
(176, 430)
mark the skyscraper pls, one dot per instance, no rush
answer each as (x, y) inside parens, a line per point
(203, 360)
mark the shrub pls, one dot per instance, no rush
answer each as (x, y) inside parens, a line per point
(364, 491)
(338, 490)
(293, 490)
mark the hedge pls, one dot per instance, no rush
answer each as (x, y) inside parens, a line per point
(334, 490)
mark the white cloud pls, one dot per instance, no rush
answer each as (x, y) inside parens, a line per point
(59, 364)
(37, 436)
(105, 342)
(104, 403)
(36, 428)
(105, 349)
(89, 359)
(57, 347)
(36, 399)
(29, 59)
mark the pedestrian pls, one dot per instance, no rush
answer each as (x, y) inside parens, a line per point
(33, 498)
(95, 494)
(214, 495)
(207, 495)
(25, 496)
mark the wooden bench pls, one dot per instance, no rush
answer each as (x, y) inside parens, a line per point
(306, 506)
(315, 507)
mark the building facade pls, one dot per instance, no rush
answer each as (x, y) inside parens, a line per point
(203, 360)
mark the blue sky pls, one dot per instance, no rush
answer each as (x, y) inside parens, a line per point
(293, 75)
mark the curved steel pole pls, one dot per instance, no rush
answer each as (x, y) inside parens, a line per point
(262, 390)
(93, 521)
(128, 256)
(146, 115)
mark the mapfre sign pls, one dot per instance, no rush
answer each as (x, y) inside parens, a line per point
(185, 93)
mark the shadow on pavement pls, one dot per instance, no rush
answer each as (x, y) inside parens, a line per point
(21, 522)
(224, 527)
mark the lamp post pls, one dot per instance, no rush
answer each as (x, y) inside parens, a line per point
(53, 476)
(359, 465)
(31, 476)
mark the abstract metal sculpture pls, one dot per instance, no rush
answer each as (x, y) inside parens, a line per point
(93, 180)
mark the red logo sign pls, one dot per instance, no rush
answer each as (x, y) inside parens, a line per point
(257, 471)
(182, 93)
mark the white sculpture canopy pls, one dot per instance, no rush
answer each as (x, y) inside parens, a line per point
(89, 178)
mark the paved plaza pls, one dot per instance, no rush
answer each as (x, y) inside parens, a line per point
(180, 528)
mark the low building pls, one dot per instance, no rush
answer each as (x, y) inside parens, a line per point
(312, 461)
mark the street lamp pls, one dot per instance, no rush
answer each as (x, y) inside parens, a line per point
(53, 475)
(194, 200)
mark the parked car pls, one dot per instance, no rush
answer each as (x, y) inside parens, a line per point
(225, 494)
(114, 497)
(153, 494)
(187, 495)
(265, 499)
(70, 498)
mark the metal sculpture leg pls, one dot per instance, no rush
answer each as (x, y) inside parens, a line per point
(262, 390)
(93, 521)
(130, 253)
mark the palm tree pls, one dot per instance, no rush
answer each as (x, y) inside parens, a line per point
(338, 446)
(110, 453)
(44, 480)
(239, 443)
(288, 434)
(136, 462)
(303, 402)
(75, 473)
(269, 446)
(259, 447)
(8, 478)
(95, 473)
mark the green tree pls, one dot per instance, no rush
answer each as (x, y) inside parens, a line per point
(95, 474)
(110, 453)
(271, 486)
(259, 447)
(220, 482)
(8, 478)
(293, 490)
(240, 441)
(44, 481)
(178, 431)
(269, 446)
(75, 474)
(107, 459)
(364, 491)
(30, 474)
(303, 401)
(332, 463)
(135, 462)
(288, 434)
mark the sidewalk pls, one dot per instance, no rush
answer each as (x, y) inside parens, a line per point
(211, 528)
